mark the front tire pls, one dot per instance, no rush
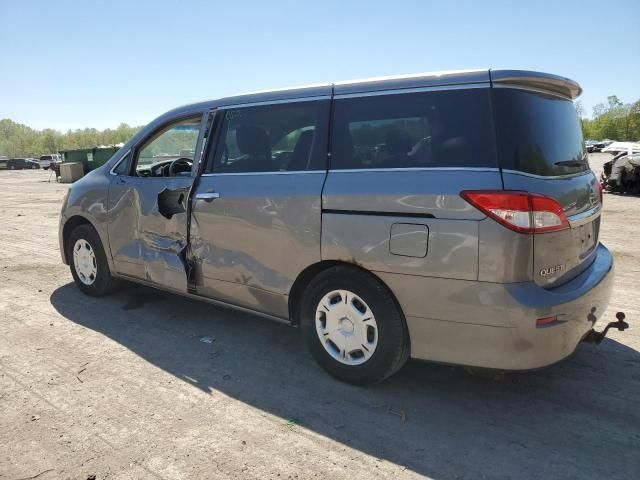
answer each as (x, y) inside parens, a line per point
(88, 262)
(353, 326)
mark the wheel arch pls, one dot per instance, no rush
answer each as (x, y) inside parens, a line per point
(69, 226)
(309, 273)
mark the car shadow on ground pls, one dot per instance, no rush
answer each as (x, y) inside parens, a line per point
(578, 418)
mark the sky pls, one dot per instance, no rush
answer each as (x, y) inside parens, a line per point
(75, 64)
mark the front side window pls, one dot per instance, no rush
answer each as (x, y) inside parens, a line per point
(122, 168)
(170, 151)
(272, 138)
(450, 128)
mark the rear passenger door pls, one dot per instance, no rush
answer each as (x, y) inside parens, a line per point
(256, 213)
(399, 160)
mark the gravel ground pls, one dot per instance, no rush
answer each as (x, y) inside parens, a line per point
(124, 388)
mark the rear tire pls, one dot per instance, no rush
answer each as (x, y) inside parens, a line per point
(353, 326)
(88, 262)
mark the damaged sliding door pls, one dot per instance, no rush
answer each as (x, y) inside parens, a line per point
(148, 199)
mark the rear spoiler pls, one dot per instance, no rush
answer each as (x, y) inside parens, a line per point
(542, 81)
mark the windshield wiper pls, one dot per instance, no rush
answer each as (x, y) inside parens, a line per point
(571, 163)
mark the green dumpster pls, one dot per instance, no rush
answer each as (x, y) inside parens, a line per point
(91, 158)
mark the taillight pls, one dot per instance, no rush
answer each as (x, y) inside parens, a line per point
(521, 212)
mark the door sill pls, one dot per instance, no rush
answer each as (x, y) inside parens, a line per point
(202, 298)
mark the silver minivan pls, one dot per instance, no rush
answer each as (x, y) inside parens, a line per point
(449, 217)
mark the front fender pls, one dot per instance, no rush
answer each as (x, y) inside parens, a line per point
(86, 202)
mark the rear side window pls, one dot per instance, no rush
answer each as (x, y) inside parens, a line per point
(449, 128)
(538, 133)
(273, 138)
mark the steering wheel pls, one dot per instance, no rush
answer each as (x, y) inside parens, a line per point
(180, 165)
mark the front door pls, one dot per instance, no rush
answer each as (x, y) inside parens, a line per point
(257, 210)
(148, 195)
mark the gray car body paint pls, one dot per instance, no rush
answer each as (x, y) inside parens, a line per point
(471, 299)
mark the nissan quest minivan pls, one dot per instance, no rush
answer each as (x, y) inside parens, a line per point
(449, 217)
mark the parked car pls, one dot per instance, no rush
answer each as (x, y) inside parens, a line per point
(622, 173)
(599, 146)
(423, 248)
(22, 163)
(48, 161)
(590, 145)
(615, 148)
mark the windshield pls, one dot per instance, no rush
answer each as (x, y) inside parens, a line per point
(538, 133)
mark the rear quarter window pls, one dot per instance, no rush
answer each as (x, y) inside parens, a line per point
(448, 128)
(538, 133)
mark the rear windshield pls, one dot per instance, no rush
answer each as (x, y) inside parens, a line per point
(449, 128)
(538, 133)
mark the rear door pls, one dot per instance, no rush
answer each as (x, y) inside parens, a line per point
(256, 213)
(541, 150)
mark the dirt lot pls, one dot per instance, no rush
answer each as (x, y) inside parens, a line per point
(122, 387)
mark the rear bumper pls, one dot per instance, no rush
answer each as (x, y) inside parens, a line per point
(493, 325)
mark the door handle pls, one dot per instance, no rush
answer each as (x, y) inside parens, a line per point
(207, 197)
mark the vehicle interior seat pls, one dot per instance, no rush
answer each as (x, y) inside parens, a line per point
(253, 142)
(300, 156)
(452, 150)
(343, 146)
(398, 145)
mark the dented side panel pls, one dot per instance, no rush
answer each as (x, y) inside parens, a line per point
(148, 228)
(365, 240)
(250, 244)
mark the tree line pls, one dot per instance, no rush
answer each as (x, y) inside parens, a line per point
(613, 120)
(21, 141)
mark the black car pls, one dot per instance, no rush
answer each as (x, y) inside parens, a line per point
(589, 145)
(22, 163)
(598, 146)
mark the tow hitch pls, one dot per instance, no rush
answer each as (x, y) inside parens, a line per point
(597, 337)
